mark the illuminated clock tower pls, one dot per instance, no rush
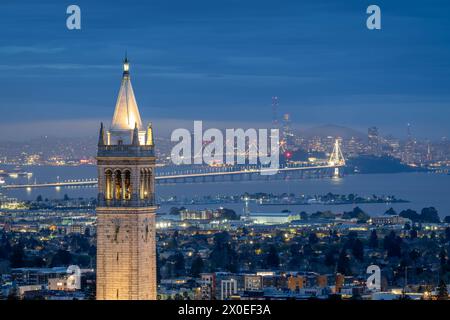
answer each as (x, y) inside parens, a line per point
(126, 250)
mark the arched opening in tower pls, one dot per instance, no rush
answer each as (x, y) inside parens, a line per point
(108, 185)
(118, 185)
(128, 189)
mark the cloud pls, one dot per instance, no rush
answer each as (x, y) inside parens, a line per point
(55, 66)
(30, 49)
(24, 130)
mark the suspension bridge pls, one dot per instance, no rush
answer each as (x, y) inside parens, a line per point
(213, 174)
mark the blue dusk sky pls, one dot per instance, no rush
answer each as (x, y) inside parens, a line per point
(222, 60)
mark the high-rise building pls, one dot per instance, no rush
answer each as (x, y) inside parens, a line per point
(126, 250)
(409, 148)
(374, 140)
(287, 134)
(296, 282)
(208, 286)
(228, 288)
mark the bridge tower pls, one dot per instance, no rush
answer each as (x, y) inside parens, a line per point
(336, 158)
(126, 249)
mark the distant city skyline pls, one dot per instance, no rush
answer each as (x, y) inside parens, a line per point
(224, 61)
(86, 128)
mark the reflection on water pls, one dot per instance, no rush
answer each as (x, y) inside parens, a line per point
(422, 189)
(336, 181)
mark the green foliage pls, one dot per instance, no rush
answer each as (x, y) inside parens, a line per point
(442, 291)
(196, 267)
(61, 258)
(427, 215)
(356, 213)
(392, 244)
(223, 256)
(228, 214)
(391, 212)
(272, 259)
(343, 264)
(373, 240)
(323, 215)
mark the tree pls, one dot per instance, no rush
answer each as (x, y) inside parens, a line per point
(39, 198)
(391, 212)
(352, 236)
(330, 260)
(358, 214)
(173, 241)
(159, 264)
(312, 238)
(334, 236)
(178, 297)
(373, 240)
(343, 264)
(413, 233)
(228, 214)
(447, 234)
(13, 293)
(392, 244)
(196, 267)
(5, 247)
(223, 255)
(176, 211)
(358, 250)
(442, 291)
(304, 215)
(411, 215)
(38, 262)
(443, 258)
(414, 255)
(296, 256)
(17, 258)
(179, 264)
(61, 258)
(272, 259)
(430, 215)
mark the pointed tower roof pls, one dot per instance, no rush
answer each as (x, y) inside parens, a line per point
(101, 136)
(126, 114)
(149, 135)
(135, 140)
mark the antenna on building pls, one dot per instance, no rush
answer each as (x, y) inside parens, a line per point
(275, 112)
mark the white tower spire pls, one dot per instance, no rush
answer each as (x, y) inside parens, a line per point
(126, 113)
